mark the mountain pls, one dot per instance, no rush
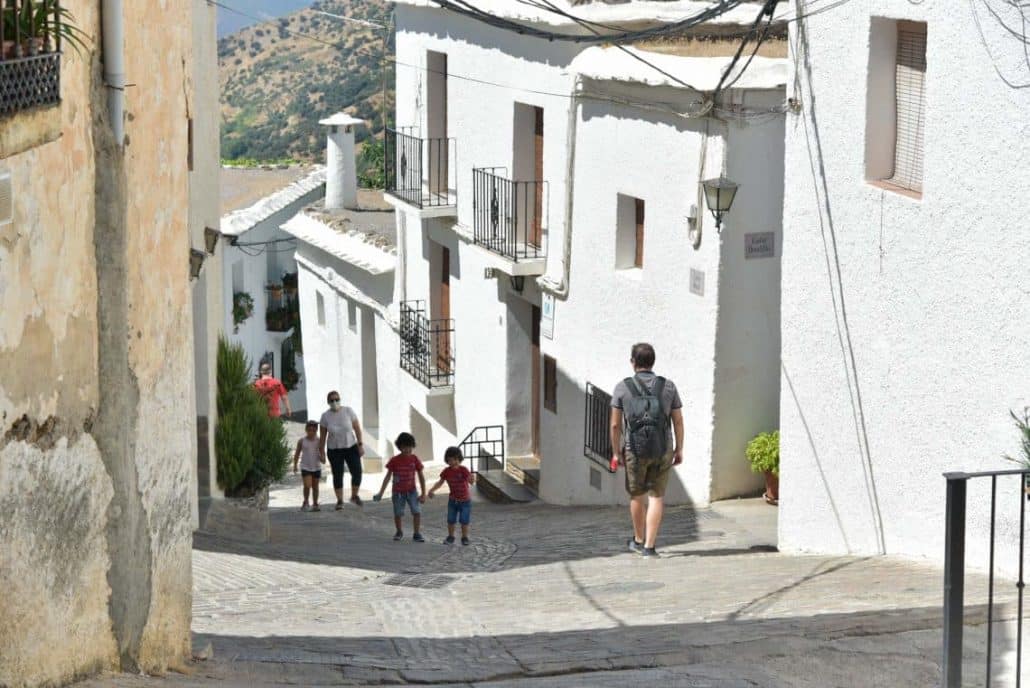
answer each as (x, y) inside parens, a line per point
(231, 22)
(279, 77)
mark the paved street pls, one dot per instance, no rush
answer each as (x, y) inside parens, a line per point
(547, 596)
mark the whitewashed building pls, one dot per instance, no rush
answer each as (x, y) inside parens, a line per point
(260, 276)
(906, 292)
(548, 216)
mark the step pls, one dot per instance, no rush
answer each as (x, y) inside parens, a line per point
(525, 470)
(498, 486)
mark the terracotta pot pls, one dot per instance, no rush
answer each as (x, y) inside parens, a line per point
(29, 46)
(772, 488)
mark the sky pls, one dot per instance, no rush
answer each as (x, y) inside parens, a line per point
(230, 22)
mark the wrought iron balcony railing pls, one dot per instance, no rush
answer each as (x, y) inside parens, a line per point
(30, 54)
(420, 171)
(597, 443)
(510, 216)
(283, 311)
(427, 346)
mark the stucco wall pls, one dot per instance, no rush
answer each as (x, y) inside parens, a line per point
(905, 322)
(96, 393)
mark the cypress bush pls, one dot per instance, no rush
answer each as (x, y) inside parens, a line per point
(250, 448)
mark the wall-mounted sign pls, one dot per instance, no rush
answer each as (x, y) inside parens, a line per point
(760, 245)
(697, 282)
(547, 316)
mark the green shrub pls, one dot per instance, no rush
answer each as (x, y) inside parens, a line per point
(764, 452)
(250, 448)
(371, 166)
(1023, 425)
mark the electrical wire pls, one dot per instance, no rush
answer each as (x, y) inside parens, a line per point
(768, 8)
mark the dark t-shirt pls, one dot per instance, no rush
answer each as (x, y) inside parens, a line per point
(646, 378)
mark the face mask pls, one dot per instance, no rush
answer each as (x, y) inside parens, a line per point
(334, 404)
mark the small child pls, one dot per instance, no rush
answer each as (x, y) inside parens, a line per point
(403, 468)
(459, 506)
(309, 451)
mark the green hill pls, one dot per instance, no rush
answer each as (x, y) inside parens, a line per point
(278, 78)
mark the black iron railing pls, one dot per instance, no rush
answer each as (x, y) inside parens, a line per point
(420, 171)
(597, 443)
(955, 565)
(427, 346)
(30, 54)
(484, 448)
(510, 217)
(283, 310)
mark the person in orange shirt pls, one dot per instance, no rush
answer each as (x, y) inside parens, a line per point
(272, 391)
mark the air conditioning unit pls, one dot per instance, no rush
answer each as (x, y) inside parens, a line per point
(6, 199)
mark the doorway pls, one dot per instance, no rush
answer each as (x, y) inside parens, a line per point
(528, 173)
(369, 374)
(436, 122)
(535, 382)
(443, 300)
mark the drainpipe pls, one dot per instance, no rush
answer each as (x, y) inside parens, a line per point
(547, 283)
(113, 28)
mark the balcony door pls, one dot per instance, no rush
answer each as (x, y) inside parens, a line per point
(528, 174)
(437, 174)
(536, 230)
(535, 383)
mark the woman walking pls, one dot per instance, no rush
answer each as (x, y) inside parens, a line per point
(340, 435)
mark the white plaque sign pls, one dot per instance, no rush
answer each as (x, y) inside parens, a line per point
(697, 282)
(760, 245)
(547, 316)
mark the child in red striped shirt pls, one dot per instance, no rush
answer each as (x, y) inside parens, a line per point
(459, 506)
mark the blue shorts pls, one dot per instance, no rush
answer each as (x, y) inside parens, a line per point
(459, 511)
(409, 498)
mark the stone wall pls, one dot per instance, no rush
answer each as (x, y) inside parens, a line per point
(96, 396)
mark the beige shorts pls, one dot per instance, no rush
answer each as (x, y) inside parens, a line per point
(649, 476)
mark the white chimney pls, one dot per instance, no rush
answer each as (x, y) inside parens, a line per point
(341, 184)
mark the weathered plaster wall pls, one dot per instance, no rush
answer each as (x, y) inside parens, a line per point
(94, 296)
(905, 322)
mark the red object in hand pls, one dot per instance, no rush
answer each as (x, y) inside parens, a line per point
(613, 466)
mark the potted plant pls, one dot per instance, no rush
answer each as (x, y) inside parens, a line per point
(290, 283)
(242, 308)
(763, 452)
(1023, 426)
(275, 292)
(36, 23)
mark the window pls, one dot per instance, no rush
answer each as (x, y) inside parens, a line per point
(237, 277)
(320, 307)
(896, 105)
(629, 233)
(352, 316)
(550, 384)
(30, 57)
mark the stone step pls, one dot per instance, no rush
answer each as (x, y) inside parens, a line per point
(525, 470)
(497, 486)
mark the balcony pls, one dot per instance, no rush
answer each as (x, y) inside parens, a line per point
(510, 219)
(421, 172)
(283, 310)
(30, 54)
(427, 346)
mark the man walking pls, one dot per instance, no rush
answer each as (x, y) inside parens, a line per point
(642, 441)
(272, 390)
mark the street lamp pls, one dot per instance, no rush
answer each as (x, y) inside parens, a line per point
(719, 193)
(196, 262)
(211, 237)
(518, 282)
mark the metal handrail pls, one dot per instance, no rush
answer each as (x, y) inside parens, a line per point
(484, 447)
(954, 571)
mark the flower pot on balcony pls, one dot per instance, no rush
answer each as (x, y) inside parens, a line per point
(275, 292)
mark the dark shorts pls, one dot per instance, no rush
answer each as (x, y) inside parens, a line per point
(409, 498)
(350, 457)
(317, 475)
(647, 476)
(459, 511)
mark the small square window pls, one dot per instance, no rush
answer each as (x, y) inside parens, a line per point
(550, 384)
(320, 307)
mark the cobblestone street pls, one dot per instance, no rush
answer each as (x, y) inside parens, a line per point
(547, 596)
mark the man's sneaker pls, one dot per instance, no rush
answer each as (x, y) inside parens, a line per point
(397, 536)
(449, 540)
(418, 537)
(650, 553)
(464, 540)
(634, 546)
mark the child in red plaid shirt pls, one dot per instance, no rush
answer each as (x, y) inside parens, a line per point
(459, 506)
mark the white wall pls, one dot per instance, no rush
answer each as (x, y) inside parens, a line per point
(905, 322)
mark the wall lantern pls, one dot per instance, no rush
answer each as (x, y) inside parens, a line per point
(719, 195)
(518, 282)
(196, 261)
(211, 237)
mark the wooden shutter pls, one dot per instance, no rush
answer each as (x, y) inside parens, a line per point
(550, 384)
(910, 96)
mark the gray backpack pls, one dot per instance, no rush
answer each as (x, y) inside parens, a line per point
(646, 421)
